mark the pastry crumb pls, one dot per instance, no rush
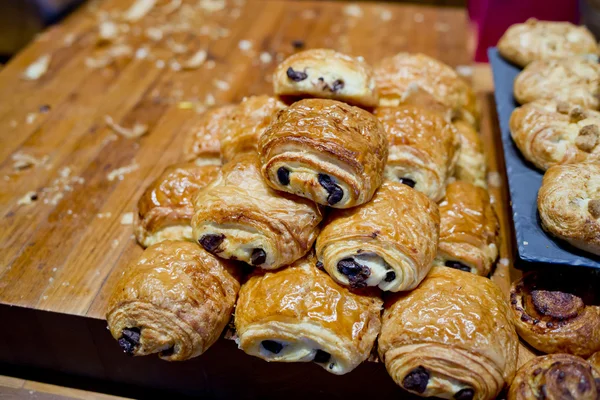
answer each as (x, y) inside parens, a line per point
(525, 243)
(418, 17)
(245, 45)
(37, 69)
(136, 131)
(29, 198)
(104, 215)
(464, 70)
(353, 10)
(138, 10)
(265, 57)
(196, 60)
(120, 173)
(127, 218)
(504, 261)
(494, 179)
(221, 85)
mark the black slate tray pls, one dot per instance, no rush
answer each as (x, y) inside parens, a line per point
(534, 246)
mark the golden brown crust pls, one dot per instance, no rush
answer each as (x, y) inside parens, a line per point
(397, 76)
(568, 203)
(594, 361)
(543, 40)
(175, 300)
(471, 165)
(302, 309)
(468, 230)
(554, 377)
(549, 133)
(423, 148)
(326, 74)
(389, 242)
(238, 216)
(203, 139)
(450, 337)
(166, 208)
(246, 123)
(556, 314)
(334, 153)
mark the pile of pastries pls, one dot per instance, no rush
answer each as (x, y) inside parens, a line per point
(345, 215)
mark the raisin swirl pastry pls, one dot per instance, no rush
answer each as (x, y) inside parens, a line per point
(389, 242)
(549, 133)
(325, 150)
(468, 230)
(246, 123)
(326, 74)
(557, 314)
(451, 337)
(423, 148)
(554, 377)
(471, 165)
(404, 73)
(543, 40)
(239, 217)
(175, 300)
(166, 208)
(299, 314)
(569, 204)
(202, 142)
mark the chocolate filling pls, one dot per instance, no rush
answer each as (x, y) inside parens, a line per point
(319, 265)
(296, 76)
(357, 274)
(258, 257)
(211, 242)
(338, 84)
(416, 380)
(283, 175)
(272, 346)
(407, 182)
(464, 394)
(130, 338)
(390, 276)
(556, 304)
(457, 265)
(322, 357)
(335, 192)
(297, 44)
(168, 352)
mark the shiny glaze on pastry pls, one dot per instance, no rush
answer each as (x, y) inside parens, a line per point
(468, 230)
(326, 74)
(423, 148)
(557, 314)
(543, 40)
(594, 361)
(451, 337)
(471, 164)
(166, 208)
(575, 80)
(549, 133)
(203, 139)
(239, 217)
(325, 150)
(556, 377)
(175, 300)
(299, 314)
(246, 123)
(403, 73)
(569, 204)
(389, 242)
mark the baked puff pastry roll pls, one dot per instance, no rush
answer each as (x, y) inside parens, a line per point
(166, 208)
(246, 123)
(299, 314)
(543, 40)
(554, 377)
(423, 148)
(451, 337)
(471, 164)
(549, 133)
(389, 242)
(202, 143)
(468, 230)
(557, 314)
(398, 76)
(175, 301)
(326, 74)
(239, 217)
(569, 204)
(594, 361)
(325, 150)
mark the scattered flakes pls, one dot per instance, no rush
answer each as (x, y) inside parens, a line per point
(107, 32)
(107, 214)
(464, 70)
(37, 69)
(64, 183)
(29, 198)
(69, 212)
(141, 53)
(265, 58)
(171, 7)
(160, 64)
(127, 218)
(353, 10)
(494, 179)
(221, 85)
(245, 45)
(442, 27)
(504, 261)
(120, 173)
(196, 60)
(174, 65)
(177, 48)
(210, 100)
(525, 242)
(30, 118)
(109, 56)
(23, 161)
(69, 39)
(308, 14)
(418, 18)
(137, 131)
(210, 64)
(385, 15)
(139, 9)
(212, 5)
(114, 244)
(154, 34)
(13, 123)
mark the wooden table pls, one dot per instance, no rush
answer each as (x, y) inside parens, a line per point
(70, 182)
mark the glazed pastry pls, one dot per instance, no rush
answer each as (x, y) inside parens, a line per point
(569, 204)
(543, 40)
(470, 166)
(175, 300)
(594, 361)
(575, 80)
(239, 217)
(403, 73)
(202, 141)
(468, 231)
(549, 133)
(299, 314)
(389, 242)
(423, 148)
(325, 150)
(326, 74)
(246, 123)
(554, 377)
(557, 314)
(166, 208)
(451, 337)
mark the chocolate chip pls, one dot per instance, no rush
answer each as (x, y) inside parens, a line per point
(457, 265)
(211, 242)
(129, 340)
(168, 352)
(331, 365)
(34, 197)
(416, 380)
(296, 76)
(321, 357)
(258, 257)
(464, 394)
(407, 182)
(320, 265)
(357, 274)
(272, 346)
(44, 108)
(537, 372)
(298, 44)
(283, 175)
(390, 276)
(335, 192)
(338, 84)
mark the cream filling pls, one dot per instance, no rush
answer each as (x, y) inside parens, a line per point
(173, 232)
